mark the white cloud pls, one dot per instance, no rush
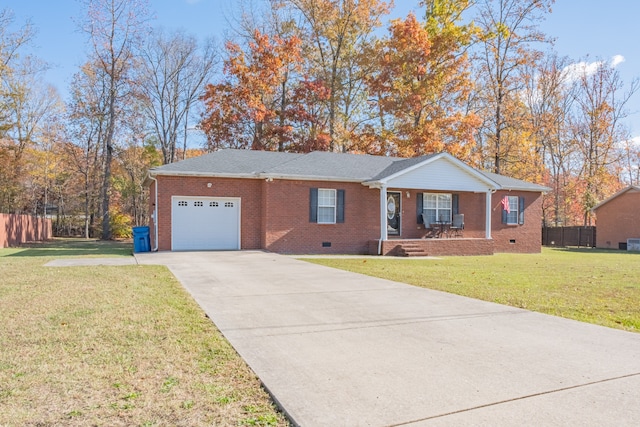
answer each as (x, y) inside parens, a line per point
(575, 71)
(616, 60)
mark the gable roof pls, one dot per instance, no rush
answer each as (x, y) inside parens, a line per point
(405, 166)
(633, 188)
(322, 166)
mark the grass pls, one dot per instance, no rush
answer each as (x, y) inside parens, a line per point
(596, 286)
(107, 345)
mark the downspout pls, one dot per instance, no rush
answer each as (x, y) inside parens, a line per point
(383, 217)
(155, 215)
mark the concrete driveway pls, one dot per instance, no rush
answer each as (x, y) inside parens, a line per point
(341, 349)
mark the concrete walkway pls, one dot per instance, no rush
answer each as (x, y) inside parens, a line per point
(341, 349)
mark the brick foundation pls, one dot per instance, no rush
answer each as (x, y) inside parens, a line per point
(437, 247)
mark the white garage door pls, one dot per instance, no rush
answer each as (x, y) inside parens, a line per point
(205, 223)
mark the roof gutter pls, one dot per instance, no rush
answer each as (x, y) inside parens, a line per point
(203, 174)
(258, 175)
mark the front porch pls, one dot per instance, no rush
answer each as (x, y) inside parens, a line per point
(432, 247)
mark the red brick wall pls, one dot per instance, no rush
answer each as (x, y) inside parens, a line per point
(469, 204)
(618, 220)
(275, 216)
(526, 238)
(438, 247)
(249, 190)
(289, 229)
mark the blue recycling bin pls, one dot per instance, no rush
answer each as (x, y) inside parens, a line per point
(141, 241)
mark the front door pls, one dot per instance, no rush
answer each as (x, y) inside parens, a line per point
(393, 213)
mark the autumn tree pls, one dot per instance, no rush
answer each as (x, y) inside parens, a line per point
(421, 84)
(259, 105)
(509, 33)
(172, 75)
(11, 44)
(47, 175)
(87, 116)
(14, 68)
(114, 28)
(549, 95)
(630, 164)
(597, 128)
(133, 162)
(335, 32)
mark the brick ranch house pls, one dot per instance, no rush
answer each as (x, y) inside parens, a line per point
(333, 203)
(618, 218)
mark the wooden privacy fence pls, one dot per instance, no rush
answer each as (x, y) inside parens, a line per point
(569, 236)
(16, 229)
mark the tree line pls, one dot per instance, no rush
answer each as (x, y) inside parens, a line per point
(477, 79)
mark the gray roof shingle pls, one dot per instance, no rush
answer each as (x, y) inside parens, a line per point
(334, 166)
(227, 162)
(319, 165)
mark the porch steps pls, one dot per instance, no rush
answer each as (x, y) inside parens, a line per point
(408, 249)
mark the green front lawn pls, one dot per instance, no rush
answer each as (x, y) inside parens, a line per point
(114, 345)
(589, 285)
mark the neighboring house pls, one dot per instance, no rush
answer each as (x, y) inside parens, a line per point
(618, 219)
(324, 202)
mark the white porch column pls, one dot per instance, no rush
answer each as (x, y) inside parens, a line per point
(383, 217)
(487, 225)
(383, 213)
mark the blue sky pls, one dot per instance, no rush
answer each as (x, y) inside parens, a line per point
(583, 29)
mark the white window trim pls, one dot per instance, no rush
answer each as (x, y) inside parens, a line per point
(334, 206)
(450, 208)
(512, 210)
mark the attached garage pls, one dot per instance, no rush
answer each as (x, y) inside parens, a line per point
(205, 223)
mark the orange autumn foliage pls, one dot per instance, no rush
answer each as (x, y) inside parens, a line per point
(421, 84)
(259, 105)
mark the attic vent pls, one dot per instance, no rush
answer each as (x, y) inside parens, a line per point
(633, 244)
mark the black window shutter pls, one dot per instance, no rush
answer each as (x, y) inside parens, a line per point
(419, 207)
(521, 210)
(313, 205)
(454, 204)
(340, 206)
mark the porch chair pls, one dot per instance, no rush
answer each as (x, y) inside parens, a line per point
(431, 232)
(457, 225)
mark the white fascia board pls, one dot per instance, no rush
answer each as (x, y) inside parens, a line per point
(542, 189)
(254, 176)
(204, 174)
